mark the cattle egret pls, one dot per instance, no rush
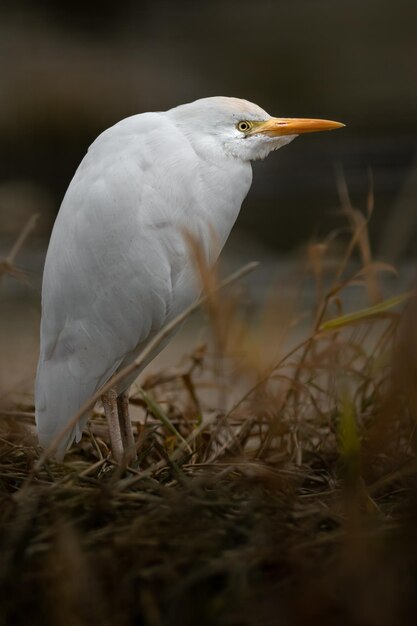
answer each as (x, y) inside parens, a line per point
(118, 267)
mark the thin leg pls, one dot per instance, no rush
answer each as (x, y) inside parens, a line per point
(109, 401)
(126, 425)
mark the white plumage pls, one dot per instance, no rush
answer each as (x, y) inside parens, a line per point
(118, 267)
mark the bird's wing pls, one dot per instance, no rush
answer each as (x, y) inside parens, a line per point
(117, 264)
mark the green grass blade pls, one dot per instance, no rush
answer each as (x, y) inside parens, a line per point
(363, 314)
(159, 414)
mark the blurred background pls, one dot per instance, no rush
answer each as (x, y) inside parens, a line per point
(70, 69)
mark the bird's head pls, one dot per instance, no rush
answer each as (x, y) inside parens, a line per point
(244, 130)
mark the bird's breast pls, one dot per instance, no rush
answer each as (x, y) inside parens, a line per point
(222, 189)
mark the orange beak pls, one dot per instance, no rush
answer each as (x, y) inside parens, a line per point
(277, 126)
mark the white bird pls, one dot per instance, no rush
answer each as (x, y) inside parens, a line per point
(118, 267)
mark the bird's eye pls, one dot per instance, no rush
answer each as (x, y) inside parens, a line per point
(244, 126)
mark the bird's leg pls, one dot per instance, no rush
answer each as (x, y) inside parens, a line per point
(109, 401)
(126, 425)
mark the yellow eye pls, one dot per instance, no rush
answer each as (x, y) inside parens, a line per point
(244, 126)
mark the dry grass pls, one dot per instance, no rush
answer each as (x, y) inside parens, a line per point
(268, 489)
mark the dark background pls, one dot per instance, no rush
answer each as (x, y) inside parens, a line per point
(71, 69)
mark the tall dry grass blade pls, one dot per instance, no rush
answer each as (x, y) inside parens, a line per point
(7, 264)
(359, 226)
(221, 311)
(370, 203)
(316, 254)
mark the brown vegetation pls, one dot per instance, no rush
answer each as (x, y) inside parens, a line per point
(294, 504)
